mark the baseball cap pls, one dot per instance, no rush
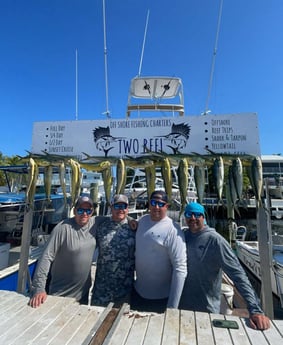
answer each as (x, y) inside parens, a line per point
(195, 207)
(119, 198)
(159, 194)
(84, 199)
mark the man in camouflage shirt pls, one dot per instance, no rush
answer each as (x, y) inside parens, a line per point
(115, 267)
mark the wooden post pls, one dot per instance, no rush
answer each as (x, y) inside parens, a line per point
(265, 254)
(94, 192)
(232, 233)
(25, 245)
(94, 196)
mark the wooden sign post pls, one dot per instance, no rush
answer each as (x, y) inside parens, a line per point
(25, 246)
(265, 254)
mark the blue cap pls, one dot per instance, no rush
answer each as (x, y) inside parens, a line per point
(193, 207)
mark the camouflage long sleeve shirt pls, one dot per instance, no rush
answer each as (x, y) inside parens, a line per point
(116, 262)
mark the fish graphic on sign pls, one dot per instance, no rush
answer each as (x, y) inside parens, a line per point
(104, 141)
(178, 137)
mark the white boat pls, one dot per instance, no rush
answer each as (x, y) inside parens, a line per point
(92, 183)
(46, 213)
(248, 254)
(12, 208)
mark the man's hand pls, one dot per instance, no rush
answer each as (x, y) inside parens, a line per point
(259, 321)
(38, 299)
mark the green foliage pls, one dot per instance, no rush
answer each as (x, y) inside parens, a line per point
(5, 160)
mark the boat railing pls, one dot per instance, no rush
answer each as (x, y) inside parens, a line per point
(174, 108)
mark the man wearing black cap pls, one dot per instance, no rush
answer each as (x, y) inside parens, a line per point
(160, 259)
(115, 266)
(69, 253)
(208, 255)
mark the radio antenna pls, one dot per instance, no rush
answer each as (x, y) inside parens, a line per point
(144, 38)
(107, 112)
(206, 111)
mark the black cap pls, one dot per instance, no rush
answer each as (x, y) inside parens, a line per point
(160, 195)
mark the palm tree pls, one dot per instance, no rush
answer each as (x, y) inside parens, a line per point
(4, 161)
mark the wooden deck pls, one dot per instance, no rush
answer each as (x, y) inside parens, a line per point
(63, 321)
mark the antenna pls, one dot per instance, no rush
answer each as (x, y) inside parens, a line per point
(107, 112)
(76, 115)
(144, 37)
(206, 111)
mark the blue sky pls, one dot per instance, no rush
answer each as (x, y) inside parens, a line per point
(37, 61)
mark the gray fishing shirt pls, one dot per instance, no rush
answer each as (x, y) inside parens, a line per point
(208, 255)
(161, 266)
(116, 262)
(69, 253)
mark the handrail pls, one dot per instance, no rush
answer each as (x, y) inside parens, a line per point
(156, 107)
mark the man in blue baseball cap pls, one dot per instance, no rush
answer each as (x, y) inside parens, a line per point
(208, 254)
(195, 207)
(193, 213)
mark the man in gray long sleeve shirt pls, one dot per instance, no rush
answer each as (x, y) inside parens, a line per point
(208, 254)
(68, 253)
(160, 259)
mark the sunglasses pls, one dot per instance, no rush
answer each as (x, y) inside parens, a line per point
(81, 211)
(120, 206)
(190, 214)
(157, 203)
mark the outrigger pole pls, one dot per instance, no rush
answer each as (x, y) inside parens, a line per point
(76, 114)
(107, 112)
(206, 111)
(144, 37)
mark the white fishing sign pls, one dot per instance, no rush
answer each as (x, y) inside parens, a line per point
(224, 134)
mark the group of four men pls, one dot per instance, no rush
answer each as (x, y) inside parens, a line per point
(151, 264)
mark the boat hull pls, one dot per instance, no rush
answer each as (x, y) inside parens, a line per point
(9, 275)
(248, 254)
(10, 281)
